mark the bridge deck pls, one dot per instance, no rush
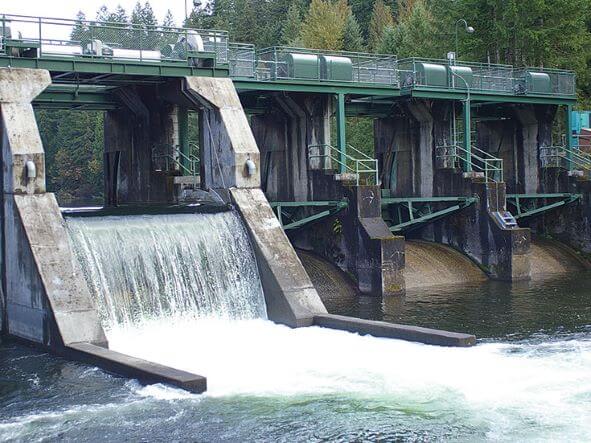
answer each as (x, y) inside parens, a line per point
(114, 54)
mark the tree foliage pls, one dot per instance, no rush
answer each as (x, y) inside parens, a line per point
(381, 18)
(324, 24)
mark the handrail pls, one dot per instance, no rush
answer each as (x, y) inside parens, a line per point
(365, 165)
(176, 158)
(482, 161)
(573, 157)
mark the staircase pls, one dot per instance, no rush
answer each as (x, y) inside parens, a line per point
(175, 162)
(505, 219)
(476, 162)
(359, 170)
(561, 157)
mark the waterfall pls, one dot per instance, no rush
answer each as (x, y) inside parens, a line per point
(145, 267)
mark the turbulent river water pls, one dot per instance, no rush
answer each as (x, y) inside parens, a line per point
(528, 379)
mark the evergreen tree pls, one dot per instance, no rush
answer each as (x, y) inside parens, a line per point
(381, 18)
(290, 34)
(80, 30)
(352, 37)
(414, 35)
(324, 25)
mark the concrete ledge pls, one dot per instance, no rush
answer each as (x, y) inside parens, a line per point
(145, 371)
(390, 330)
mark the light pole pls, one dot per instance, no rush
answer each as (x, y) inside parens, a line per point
(469, 30)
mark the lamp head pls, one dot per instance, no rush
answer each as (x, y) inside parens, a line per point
(469, 29)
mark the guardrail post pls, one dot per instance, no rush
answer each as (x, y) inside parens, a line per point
(341, 136)
(568, 121)
(467, 135)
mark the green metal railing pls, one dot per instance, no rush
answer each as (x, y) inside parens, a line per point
(484, 77)
(476, 160)
(55, 37)
(177, 160)
(43, 37)
(242, 60)
(289, 63)
(335, 159)
(564, 158)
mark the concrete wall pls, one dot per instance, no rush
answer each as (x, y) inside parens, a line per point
(145, 122)
(290, 296)
(226, 140)
(47, 300)
(291, 124)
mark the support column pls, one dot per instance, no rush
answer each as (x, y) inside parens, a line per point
(568, 123)
(341, 132)
(183, 135)
(467, 134)
(47, 299)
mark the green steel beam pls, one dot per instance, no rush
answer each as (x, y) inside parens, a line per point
(104, 66)
(334, 206)
(467, 133)
(428, 217)
(341, 133)
(568, 122)
(290, 204)
(499, 97)
(386, 201)
(366, 90)
(515, 200)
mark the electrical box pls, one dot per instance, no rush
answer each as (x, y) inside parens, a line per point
(466, 74)
(430, 74)
(336, 68)
(303, 66)
(538, 82)
(580, 120)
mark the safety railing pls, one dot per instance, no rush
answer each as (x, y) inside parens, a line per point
(475, 160)
(564, 158)
(241, 60)
(364, 168)
(177, 160)
(484, 77)
(288, 63)
(55, 37)
(544, 81)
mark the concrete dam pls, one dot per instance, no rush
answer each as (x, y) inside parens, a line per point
(192, 244)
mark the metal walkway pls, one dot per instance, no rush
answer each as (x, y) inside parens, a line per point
(82, 53)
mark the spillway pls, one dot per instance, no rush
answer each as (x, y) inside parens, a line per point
(433, 264)
(550, 258)
(146, 267)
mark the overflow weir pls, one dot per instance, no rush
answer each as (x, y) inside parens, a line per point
(462, 156)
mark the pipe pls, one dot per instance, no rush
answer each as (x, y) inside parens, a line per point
(250, 167)
(31, 169)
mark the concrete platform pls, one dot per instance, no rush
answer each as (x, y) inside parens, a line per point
(145, 371)
(391, 330)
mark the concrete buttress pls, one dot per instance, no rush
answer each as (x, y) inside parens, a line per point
(47, 300)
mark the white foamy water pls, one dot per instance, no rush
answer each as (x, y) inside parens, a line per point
(504, 387)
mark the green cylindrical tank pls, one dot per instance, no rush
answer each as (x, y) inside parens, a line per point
(465, 72)
(336, 68)
(538, 82)
(431, 74)
(304, 66)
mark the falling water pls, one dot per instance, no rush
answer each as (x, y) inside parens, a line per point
(141, 268)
